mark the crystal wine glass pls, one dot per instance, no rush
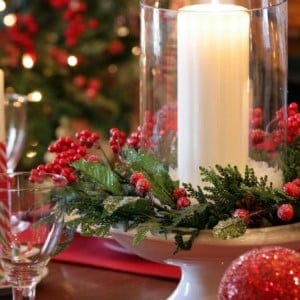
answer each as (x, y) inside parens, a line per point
(31, 223)
(15, 120)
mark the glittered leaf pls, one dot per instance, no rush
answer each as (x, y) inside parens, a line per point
(102, 174)
(230, 228)
(127, 206)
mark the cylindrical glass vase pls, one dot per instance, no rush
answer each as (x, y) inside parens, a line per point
(214, 85)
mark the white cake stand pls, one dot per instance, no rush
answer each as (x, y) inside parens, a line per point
(202, 267)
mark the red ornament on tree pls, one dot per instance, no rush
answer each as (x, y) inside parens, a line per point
(267, 273)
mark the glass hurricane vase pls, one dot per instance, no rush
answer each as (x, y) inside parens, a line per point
(214, 85)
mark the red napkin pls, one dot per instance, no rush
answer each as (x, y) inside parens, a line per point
(107, 253)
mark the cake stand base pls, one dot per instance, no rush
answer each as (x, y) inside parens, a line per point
(198, 281)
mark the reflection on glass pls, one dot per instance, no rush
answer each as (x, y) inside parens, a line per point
(15, 119)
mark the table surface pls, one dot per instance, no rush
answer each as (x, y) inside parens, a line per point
(67, 281)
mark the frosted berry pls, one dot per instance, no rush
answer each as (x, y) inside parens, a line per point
(179, 192)
(292, 189)
(285, 212)
(241, 213)
(183, 202)
(142, 186)
(135, 177)
(256, 136)
(293, 108)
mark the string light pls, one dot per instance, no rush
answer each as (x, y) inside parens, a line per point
(136, 51)
(9, 20)
(2, 5)
(31, 154)
(27, 61)
(72, 61)
(123, 31)
(35, 96)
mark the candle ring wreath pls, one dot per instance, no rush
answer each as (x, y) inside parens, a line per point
(136, 189)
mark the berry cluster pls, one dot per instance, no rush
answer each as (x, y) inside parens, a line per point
(74, 16)
(118, 140)
(134, 139)
(147, 130)
(155, 126)
(181, 198)
(68, 150)
(293, 122)
(285, 128)
(140, 183)
(87, 138)
(285, 212)
(21, 37)
(91, 87)
(142, 187)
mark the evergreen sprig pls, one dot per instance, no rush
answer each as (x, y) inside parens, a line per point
(291, 159)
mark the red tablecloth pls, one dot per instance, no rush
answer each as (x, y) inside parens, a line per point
(107, 253)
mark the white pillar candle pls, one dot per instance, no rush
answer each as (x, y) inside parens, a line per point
(2, 113)
(213, 79)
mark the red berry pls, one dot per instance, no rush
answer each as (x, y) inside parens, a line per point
(256, 121)
(114, 132)
(285, 212)
(241, 213)
(179, 192)
(292, 189)
(280, 114)
(257, 112)
(256, 136)
(183, 202)
(135, 177)
(142, 186)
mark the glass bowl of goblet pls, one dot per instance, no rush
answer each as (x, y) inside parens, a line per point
(31, 223)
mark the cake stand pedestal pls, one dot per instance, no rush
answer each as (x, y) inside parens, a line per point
(203, 266)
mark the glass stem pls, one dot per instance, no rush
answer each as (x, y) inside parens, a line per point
(27, 293)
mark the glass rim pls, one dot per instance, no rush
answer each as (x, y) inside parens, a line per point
(270, 5)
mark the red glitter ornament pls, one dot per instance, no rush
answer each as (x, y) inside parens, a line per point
(267, 273)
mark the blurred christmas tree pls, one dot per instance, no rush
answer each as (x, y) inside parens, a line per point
(80, 57)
